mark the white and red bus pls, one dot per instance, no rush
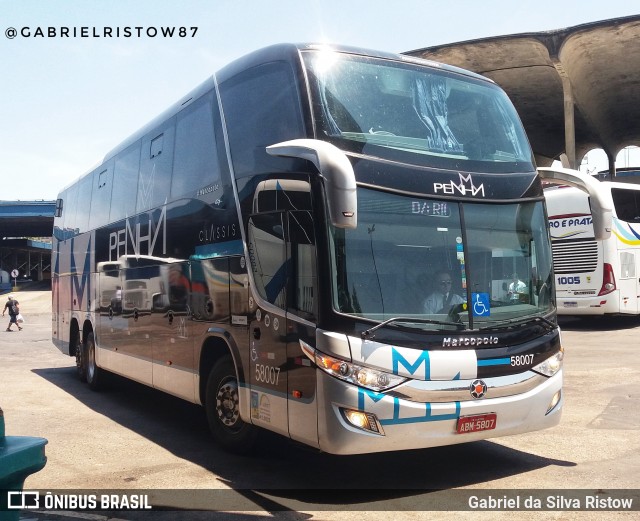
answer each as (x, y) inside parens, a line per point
(596, 277)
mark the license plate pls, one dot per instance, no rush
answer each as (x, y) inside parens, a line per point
(480, 422)
(570, 304)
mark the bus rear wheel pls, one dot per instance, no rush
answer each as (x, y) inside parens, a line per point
(93, 373)
(81, 365)
(222, 404)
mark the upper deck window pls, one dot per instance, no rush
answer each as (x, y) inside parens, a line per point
(196, 160)
(416, 114)
(261, 108)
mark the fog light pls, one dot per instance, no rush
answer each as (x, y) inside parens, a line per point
(363, 420)
(554, 401)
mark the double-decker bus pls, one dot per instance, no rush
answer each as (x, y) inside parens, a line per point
(595, 277)
(295, 214)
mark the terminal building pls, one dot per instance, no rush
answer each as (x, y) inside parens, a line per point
(576, 89)
(25, 242)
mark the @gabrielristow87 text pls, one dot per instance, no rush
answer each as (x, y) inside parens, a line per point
(152, 31)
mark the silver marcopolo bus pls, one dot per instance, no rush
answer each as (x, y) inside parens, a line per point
(319, 241)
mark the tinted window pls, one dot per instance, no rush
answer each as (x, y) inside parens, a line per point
(155, 168)
(397, 261)
(125, 183)
(69, 213)
(627, 204)
(101, 199)
(196, 161)
(261, 108)
(268, 257)
(302, 251)
(83, 205)
(418, 114)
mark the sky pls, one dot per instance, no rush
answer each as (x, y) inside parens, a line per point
(66, 101)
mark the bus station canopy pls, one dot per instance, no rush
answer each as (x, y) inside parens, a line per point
(576, 89)
(26, 219)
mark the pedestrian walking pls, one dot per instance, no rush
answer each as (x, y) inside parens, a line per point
(12, 305)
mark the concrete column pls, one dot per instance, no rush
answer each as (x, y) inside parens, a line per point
(612, 165)
(569, 122)
(569, 119)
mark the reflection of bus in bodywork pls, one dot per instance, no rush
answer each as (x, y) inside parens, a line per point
(110, 293)
(209, 297)
(141, 283)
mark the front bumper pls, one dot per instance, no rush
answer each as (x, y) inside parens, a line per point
(596, 305)
(413, 425)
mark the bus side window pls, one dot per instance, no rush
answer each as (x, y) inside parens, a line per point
(196, 161)
(267, 256)
(125, 183)
(156, 162)
(627, 204)
(101, 199)
(83, 203)
(302, 252)
(261, 107)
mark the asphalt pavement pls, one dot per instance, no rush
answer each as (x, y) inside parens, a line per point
(132, 437)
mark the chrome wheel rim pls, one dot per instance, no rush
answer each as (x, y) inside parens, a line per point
(227, 403)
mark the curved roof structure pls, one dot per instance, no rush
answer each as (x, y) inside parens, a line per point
(26, 218)
(575, 89)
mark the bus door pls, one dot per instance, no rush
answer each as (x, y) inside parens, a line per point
(268, 325)
(301, 319)
(629, 288)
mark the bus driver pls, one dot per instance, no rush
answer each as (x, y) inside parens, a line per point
(442, 299)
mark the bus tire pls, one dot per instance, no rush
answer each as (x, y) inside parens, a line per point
(222, 404)
(94, 375)
(81, 365)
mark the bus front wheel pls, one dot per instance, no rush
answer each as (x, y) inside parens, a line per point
(222, 403)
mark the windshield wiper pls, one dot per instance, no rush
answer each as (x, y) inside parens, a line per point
(367, 333)
(523, 320)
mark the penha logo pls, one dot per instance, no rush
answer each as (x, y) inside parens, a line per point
(465, 187)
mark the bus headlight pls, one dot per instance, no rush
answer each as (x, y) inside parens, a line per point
(356, 374)
(551, 365)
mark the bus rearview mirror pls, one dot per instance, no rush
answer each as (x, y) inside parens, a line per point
(337, 172)
(601, 203)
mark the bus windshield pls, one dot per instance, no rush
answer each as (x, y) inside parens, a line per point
(492, 261)
(420, 115)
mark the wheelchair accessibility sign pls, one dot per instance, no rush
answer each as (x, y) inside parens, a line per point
(480, 305)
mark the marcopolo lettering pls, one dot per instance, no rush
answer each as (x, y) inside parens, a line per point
(469, 341)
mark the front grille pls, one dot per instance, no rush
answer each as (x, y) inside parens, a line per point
(578, 256)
